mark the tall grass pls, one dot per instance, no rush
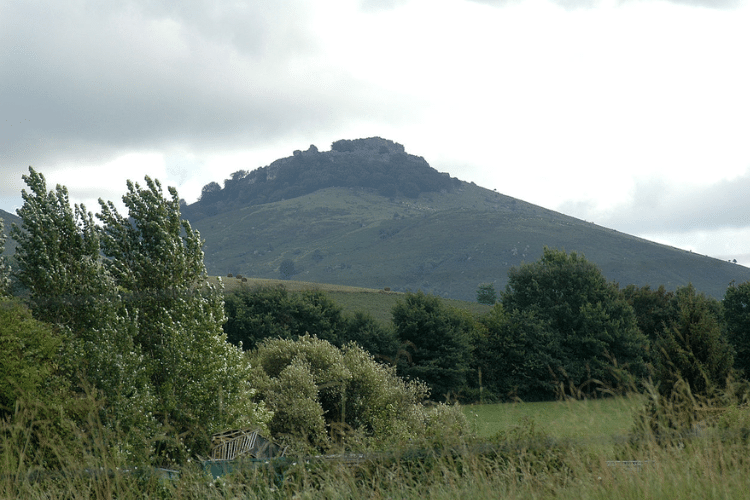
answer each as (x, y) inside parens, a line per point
(40, 458)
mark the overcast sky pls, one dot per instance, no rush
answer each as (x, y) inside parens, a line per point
(634, 114)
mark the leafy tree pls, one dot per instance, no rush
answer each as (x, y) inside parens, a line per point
(486, 294)
(58, 256)
(286, 269)
(60, 264)
(374, 337)
(737, 319)
(590, 321)
(256, 314)
(516, 353)
(200, 380)
(319, 392)
(210, 192)
(437, 340)
(654, 309)
(692, 347)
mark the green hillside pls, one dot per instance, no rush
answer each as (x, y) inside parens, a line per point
(444, 243)
(8, 219)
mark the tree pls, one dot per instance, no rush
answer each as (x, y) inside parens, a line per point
(210, 192)
(58, 257)
(591, 323)
(268, 312)
(437, 339)
(4, 266)
(374, 337)
(516, 352)
(200, 380)
(256, 314)
(59, 263)
(737, 319)
(692, 347)
(486, 294)
(654, 309)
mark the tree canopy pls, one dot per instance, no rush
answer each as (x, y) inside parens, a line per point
(692, 347)
(437, 342)
(591, 324)
(737, 318)
(319, 393)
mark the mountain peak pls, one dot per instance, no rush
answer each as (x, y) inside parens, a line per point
(370, 145)
(373, 163)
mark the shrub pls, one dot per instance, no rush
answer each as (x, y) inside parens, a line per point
(322, 395)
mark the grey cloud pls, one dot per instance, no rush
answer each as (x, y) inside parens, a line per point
(87, 82)
(658, 207)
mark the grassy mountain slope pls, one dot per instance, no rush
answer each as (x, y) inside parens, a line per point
(444, 243)
(8, 219)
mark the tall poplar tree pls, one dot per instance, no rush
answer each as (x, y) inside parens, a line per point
(142, 325)
(200, 380)
(58, 256)
(60, 264)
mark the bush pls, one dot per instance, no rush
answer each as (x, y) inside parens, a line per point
(28, 352)
(322, 395)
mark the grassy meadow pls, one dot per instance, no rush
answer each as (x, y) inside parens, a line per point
(593, 419)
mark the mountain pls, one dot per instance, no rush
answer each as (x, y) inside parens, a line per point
(8, 219)
(368, 214)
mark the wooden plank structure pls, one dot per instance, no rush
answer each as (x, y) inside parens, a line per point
(233, 444)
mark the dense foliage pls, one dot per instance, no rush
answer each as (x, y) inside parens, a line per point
(589, 324)
(515, 352)
(257, 314)
(373, 163)
(28, 352)
(320, 393)
(736, 307)
(143, 326)
(273, 312)
(486, 294)
(692, 348)
(437, 343)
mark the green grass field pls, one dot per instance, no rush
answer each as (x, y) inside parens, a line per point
(587, 419)
(598, 423)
